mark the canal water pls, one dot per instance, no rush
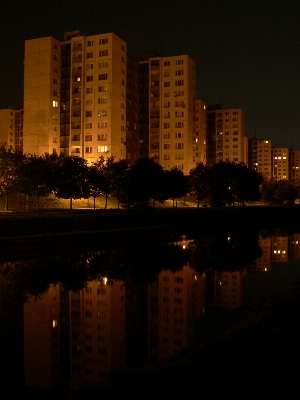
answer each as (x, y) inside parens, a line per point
(75, 319)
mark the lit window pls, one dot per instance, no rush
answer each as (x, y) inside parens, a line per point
(102, 113)
(55, 103)
(102, 149)
(88, 149)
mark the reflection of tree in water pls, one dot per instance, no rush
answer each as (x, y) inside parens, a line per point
(141, 264)
(21, 280)
(225, 251)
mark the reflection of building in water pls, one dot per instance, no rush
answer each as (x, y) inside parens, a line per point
(41, 340)
(263, 263)
(79, 337)
(97, 331)
(229, 288)
(280, 246)
(295, 246)
(175, 301)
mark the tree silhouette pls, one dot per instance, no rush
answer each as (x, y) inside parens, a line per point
(175, 184)
(198, 182)
(71, 175)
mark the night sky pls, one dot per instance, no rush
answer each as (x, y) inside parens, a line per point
(247, 52)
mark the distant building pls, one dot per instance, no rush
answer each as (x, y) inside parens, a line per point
(201, 132)
(11, 128)
(262, 160)
(295, 167)
(225, 135)
(281, 163)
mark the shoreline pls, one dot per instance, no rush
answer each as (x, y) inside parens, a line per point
(28, 234)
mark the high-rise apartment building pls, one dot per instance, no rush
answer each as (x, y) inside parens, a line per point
(11, 128)
(281, 163)
(201, 130)
(75, 97)
(295, 167)
(168, 110)
(41, 95)
(262, 157)
(225, 135)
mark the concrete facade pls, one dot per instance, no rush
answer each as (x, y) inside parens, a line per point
(168, 110)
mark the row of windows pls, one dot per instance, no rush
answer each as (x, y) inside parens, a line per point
(101, 124)
(166, 146)
(101, 77)
(175, 93)
(102, 53)
(166, 135)
(100, 89)
(156, 63)
(101, 41)
(102, 64)
(100, 149)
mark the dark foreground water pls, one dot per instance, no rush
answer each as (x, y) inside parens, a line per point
(74, 320)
